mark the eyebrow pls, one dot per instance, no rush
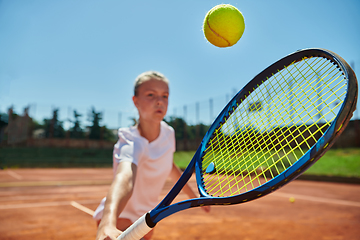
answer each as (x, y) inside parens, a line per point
(154, 90)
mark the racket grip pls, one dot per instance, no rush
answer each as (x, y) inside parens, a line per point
(137, 230)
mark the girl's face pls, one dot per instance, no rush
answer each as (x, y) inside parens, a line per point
(152, 100)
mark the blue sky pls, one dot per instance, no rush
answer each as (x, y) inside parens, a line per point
(83, 53)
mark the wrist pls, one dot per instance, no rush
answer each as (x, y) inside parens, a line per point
(106, 221)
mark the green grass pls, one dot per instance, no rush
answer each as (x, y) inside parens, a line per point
(182, 158)
(336, 162)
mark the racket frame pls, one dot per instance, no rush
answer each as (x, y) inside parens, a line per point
(164, 209)
(317, 150)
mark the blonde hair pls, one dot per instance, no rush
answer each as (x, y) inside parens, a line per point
(146, 76)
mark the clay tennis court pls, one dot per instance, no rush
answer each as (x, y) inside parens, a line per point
(57, 203)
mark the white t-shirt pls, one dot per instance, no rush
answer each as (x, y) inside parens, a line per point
(154, 162)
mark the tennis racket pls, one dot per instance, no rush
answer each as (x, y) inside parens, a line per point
(272, 130)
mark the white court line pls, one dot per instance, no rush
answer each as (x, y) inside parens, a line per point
(82, 208)
(31, 205)
(317, 199)
(64, 196)
(14, 174)
(54, 183)
(44, 204)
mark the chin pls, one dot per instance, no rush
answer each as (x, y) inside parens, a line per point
(159, 117)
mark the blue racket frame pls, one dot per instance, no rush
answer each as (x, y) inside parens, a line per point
(164, 208)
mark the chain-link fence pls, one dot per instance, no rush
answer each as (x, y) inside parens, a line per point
(36, 121)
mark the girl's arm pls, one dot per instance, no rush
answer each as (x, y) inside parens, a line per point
(175, 175)
(119, 193)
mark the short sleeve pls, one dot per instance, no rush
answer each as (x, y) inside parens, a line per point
(127, 148)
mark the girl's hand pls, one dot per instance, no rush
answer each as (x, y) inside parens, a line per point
(108, 232)
(206, 208)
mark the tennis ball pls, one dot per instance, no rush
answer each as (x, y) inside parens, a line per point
(223, 25)
(292, 199)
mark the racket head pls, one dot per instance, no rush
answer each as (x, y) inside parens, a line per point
(276, 127)
(261, 140)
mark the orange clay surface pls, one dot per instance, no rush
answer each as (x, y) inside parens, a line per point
(55, 204)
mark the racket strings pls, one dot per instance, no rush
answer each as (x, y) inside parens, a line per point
(273, 127)
(249, 138)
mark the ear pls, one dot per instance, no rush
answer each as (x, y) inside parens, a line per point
(135, 101)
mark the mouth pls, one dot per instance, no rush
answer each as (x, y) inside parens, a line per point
(159, 111)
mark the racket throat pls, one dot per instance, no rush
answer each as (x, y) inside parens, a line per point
(148, 221)
(158, 212)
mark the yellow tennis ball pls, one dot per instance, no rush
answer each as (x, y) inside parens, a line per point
(223, 25)
(292, 199)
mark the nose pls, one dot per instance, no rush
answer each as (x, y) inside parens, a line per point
(160, 100)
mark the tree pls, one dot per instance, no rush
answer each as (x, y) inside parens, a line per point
(192, 131)
(76, 131)
(95, 129)
(179, 126)
(3, 120)
(3, 123)
(108, 134)
(34, 125)
(53, 127)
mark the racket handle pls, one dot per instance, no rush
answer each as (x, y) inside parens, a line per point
(137, 230)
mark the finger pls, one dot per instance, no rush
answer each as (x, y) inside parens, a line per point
(206, 208)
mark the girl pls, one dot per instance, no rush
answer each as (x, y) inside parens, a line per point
(142, 161)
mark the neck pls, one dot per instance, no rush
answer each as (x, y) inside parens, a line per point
(149, 130)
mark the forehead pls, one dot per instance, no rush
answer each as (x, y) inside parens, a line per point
(154, 84)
